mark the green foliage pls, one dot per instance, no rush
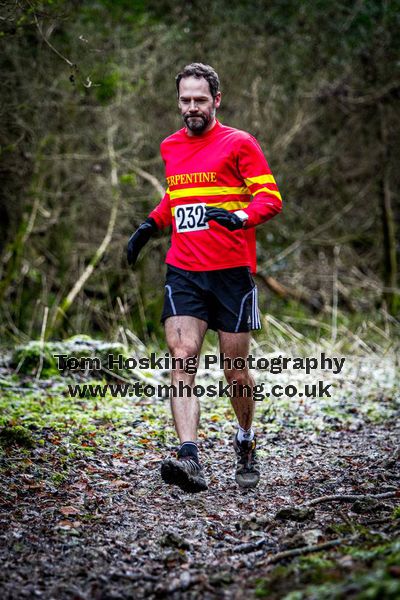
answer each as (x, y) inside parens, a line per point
(396, 512)
(107, 87)
(16, 434)
(27, 358)
(311, 80)
(323, 576)
(116, 11)
(128, 179)
(36, 415)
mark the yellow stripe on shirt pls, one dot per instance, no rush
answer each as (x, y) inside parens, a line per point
(260, 179)
(208, 191)
(273, 192)
(235, 205)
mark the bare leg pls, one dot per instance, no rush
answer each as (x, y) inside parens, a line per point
(234, 345)
(184, 338)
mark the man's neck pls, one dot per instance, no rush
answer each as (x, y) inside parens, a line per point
(208, 128)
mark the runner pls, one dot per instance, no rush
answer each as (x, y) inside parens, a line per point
(220, 188)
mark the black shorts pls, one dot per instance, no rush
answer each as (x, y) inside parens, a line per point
(226, 298)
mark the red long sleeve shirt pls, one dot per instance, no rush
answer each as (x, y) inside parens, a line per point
(224, 168)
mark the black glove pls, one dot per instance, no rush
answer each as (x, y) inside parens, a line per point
(140, 238)
(224, 218)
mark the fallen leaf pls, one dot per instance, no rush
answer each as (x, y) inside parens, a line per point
(69, 510)
(119, 483)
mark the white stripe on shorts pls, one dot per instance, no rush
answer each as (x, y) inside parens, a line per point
(256, 323)
(168, 287)
(241, 310)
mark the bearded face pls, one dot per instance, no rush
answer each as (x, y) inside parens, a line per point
(198, 124)
(197, 106)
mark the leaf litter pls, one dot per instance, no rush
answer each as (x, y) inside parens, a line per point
(85, 515)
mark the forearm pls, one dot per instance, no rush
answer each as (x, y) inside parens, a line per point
(266, 200)
(262, 208)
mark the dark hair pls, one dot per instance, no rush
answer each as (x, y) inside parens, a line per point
(199, 70)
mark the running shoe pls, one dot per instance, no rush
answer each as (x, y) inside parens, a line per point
(247, 473)
(185, 472)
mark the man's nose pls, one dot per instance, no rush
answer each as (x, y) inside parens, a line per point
(193, 105)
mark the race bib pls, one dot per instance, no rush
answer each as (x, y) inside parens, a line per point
(190, 217)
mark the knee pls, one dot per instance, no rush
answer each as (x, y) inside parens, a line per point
(183, 365)
(240, 376)
(183, 351)
(184, 361)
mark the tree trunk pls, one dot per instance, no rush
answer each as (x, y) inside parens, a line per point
(390, 293)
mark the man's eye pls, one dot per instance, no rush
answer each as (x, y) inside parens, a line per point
(196, 101)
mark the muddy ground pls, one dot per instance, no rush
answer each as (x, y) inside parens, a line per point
(85, 514)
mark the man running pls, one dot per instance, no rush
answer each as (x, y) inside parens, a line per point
(220, 188)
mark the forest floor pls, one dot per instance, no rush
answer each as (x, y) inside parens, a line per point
(84, 513)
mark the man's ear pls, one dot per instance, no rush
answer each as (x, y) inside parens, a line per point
(217, 100)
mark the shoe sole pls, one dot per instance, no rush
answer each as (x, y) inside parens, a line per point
(245, 484)
(173, 476)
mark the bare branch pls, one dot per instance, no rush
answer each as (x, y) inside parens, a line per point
(350, 498)
(44, 38)
(306, 550)
(150, 178)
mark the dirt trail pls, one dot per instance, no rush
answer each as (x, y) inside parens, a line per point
(113, 530)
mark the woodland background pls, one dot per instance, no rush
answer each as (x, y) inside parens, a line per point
(88, 93)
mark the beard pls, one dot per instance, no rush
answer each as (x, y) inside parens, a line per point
(198, 123)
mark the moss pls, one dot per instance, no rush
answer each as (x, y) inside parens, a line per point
(374, 575)
(27, 358)
(16, 435)
(396, 513)
(59, 478)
